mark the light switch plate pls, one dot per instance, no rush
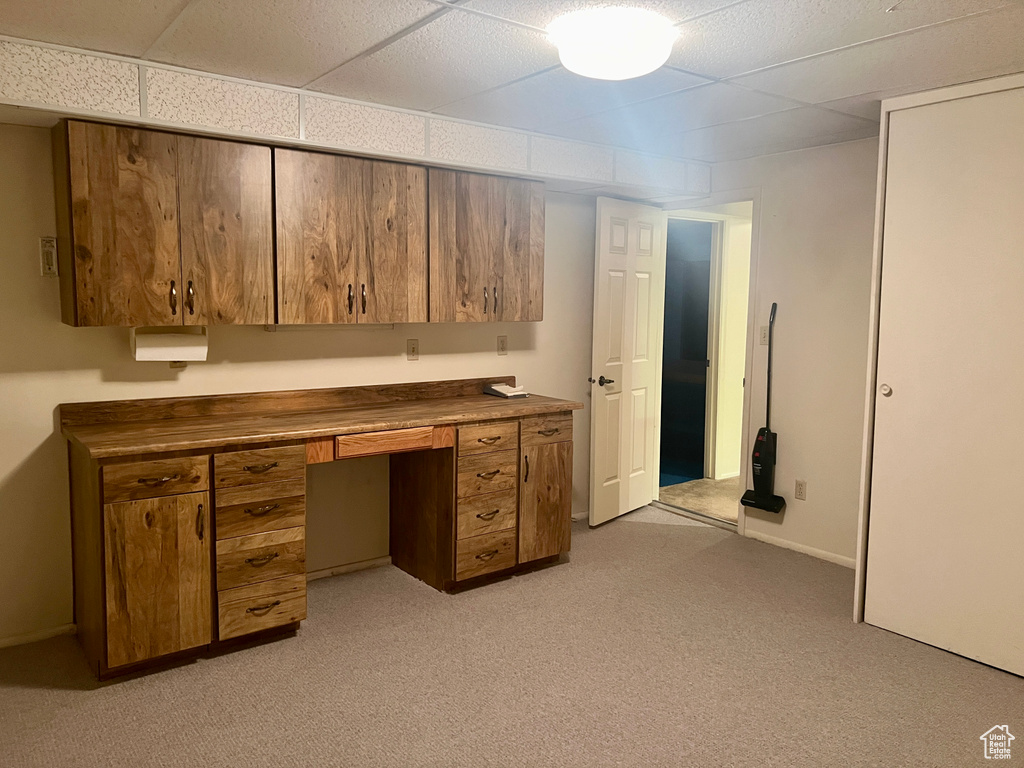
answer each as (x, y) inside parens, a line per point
(801, 490)
(503, 345)
(48, 256)
(764, 335)
(412, 349)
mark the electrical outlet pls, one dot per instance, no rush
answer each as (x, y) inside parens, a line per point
(48, 256)
(412, 349)
(801, 490)
(503, 345)
(764, 335)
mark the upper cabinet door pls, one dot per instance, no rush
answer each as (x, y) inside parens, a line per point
(394, 270)
(321, 236)
(123, 233)
(486, 248)
(227, 241)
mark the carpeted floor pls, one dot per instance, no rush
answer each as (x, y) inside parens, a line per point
(718, 498)
(658, 645)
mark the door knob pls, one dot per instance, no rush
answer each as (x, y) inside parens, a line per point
(601, 381)
(886, 390)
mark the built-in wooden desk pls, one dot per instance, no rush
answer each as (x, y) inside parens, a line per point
(188, 514)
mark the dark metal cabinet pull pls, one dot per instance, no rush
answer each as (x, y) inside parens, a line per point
(259, 469)
(200, 522)
(526, 474)
(153, 482)
(190, 298)
(489, 515)
(263, 609)
(487, 555)
(364, 298)
(351, 298)
(489, 475)
(485, 301)
(174, 299)
(488, 440)
(261, 511)
(261, 559)
(494, 301)
(547, 432)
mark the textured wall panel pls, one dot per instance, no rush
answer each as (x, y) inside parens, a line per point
(344, 124)
(476, 145)
(569, 158)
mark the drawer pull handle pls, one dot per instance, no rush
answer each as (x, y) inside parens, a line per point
(263, 610)
(526, 475)
(259, 469)
(487, 555)
(256, 562)
(200, 522)
(488, 475)
(489, 515)
(153, 482)
(548, 432)
(261, 511)
(488, 440)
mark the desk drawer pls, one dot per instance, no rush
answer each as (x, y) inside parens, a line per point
(487, 513)
(260, 557)
(486, 438)
(487, 473)
(267, 465)
(549, 428)
(388, 441)
(150, 479)
(244, 610)
(489, 553)
(259, 508)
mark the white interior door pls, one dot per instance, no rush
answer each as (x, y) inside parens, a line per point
(628, 296)
(946, 530)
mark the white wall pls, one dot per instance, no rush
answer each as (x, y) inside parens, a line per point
(814, 258)
(44, 363)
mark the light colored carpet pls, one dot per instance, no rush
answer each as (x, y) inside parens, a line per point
(651, 514)
(657, 645)
(718, 498)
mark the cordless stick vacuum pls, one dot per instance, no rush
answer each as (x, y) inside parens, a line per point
(763, 496)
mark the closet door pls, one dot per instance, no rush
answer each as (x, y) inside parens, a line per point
(946, 530)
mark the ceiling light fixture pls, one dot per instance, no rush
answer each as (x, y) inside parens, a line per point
(612, 43)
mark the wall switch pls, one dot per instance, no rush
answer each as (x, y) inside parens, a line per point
(48, 256)
(503, 345)
(764, 335)
(412, 349)
(801, 490)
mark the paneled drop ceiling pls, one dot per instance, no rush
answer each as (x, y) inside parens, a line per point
(746, 77)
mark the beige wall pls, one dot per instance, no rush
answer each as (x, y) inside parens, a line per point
(44, 363)
(814, 245)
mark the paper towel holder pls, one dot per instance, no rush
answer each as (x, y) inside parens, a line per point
(170, 345)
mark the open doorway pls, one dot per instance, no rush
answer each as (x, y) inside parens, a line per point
(707, 283)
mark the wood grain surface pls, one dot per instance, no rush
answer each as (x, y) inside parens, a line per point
(546, 428)
(161, 477)
(87, 557)
(259, 508)
(388, 441)
(266, 465)
(487, 513)
(227, 232)
(487, 438)
(244, 610)
(485, 554)
(487, 472)
(260, 557)
(545, 501)
(422, 525)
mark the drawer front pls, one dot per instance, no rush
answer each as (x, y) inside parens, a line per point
(549, 428)
(244, 610)
(389, 441)
(485, 554)
(150, 479)
(487, 438)
(487, 473)
(267, 465)
(259, 508)
(487, 513)
(260, 557)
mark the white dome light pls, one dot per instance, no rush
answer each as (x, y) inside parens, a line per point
(612, 43)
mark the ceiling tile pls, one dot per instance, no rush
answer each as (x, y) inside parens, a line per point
(289, 43)
(867, 105)
(762, 33)
(126, 27)
(540, 13)
(659, 122)
(447, 60)
(558, 95)
(982, 46)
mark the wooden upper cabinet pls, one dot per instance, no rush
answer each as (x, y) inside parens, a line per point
(351, 239)
(227, 232)
(486, 248)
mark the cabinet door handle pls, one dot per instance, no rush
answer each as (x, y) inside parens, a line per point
(487, 555)
(153, 482)
(364, 298)
(259, 560)
(200, 522)
(190, 298)
(263, 609)
(351, 298)
(488, 440)
(488, 475)
(526, 474)
(548, 432)
(485, 301)
(259, 469)
(489, 515)
(494, 301)
(261, 511)
(174, 299)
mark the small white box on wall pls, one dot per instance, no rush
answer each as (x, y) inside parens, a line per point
(172, 345)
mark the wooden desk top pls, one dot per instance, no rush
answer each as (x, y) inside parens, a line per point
(121, 429)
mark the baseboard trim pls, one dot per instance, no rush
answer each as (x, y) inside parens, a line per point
(34, 637)
(821, 554)
(338, 570)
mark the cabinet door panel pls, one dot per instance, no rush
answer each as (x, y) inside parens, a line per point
(519, 262)
(545, 499)
(124, 203)
(394, 269)
(157, 565)
(321, 235)
(227, 250)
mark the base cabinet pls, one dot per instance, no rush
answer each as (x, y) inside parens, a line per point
(545, 501)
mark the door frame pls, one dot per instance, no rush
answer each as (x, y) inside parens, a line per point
(695, 210)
